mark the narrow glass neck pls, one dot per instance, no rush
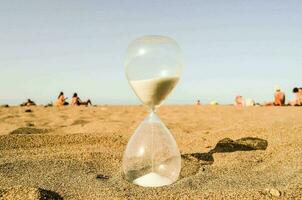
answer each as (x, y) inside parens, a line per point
(152, 117)
(152, 110)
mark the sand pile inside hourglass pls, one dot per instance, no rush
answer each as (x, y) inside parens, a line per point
(152, 180)
(153, 91)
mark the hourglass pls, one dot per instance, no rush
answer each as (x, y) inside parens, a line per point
(153, 67)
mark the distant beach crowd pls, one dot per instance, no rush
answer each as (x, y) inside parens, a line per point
(62, 101)
(279, 99)
(240, 101)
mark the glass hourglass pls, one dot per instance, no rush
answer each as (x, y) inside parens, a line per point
(153, 67)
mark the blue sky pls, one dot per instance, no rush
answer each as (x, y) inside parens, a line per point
(230, 47)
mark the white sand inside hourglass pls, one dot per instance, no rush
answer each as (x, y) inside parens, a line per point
(153, 91)
(152, 180)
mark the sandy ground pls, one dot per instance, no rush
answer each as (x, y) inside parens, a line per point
(75, 153)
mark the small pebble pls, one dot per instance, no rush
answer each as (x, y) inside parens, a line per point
(275, 192)
(30, 124)
(28, 110)
(101, 176)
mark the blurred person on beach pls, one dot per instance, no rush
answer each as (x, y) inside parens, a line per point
(298, 97)
(279, 98)
(61, 100)
(76, 101)
(29, 102)
(239, 103)
(198, 103)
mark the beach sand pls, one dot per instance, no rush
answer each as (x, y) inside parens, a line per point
(76, 152)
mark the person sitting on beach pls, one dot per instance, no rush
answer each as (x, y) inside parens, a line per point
(29, 102)
(61, 101)
(300, 95)
(298, 98)
(279, 97)
(239, 101)
(198, 103)
(76, 101)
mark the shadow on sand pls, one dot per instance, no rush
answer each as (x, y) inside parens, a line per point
(193, 161)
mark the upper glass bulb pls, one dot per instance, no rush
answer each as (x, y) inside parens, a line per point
(153, 67)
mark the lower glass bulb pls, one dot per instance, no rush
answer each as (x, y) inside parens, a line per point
(152, 158)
